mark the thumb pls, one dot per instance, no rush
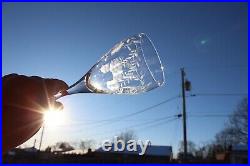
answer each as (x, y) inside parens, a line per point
(53, 86)
(58, 105)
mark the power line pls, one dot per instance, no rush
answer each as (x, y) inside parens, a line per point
(151, 124)
(161, 123)
(207, 116)
(119, 118)
(216, 67)
(149, 121)
(145, 109)
(123, 117)
(215, 115)
(219, 94)
(147, 127)
(95, 121)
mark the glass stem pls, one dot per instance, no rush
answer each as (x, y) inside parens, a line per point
(79, 87)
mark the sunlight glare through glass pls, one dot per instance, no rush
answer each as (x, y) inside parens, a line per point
(53, 117)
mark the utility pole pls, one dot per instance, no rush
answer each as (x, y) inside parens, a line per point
(184, 114)
(41, 139)
(34, 145)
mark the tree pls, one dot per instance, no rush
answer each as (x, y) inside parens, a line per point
(236, 130)
(190, 146)
(127, 135)
(85, 145)
(199, 152)
(239, 122)
(62, 146)
(208, 150)
(225, 138)
(48, 149)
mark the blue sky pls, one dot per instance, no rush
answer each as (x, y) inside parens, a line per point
(63, 40)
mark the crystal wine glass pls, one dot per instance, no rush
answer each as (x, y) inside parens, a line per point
(132, 66)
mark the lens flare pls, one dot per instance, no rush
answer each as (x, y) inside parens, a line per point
(53, 117)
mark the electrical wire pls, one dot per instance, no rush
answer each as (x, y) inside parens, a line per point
(219, 94)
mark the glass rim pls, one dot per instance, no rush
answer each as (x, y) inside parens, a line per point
(160, 81)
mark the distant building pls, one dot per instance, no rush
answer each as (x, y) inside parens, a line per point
(75, 151)
(189, 157)
(27, 151)
(235, 154)
(239, 154)
(31, 150)
(153, 153)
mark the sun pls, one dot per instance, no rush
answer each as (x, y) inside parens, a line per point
(53, 117)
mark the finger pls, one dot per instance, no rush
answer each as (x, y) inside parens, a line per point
(13, 78)
(54, 86)
(58, 106)
(18, 88)
(9, 76)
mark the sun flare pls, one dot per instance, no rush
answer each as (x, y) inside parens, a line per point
(53, 117)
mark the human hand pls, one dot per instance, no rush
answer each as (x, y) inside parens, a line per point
(24, 101)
